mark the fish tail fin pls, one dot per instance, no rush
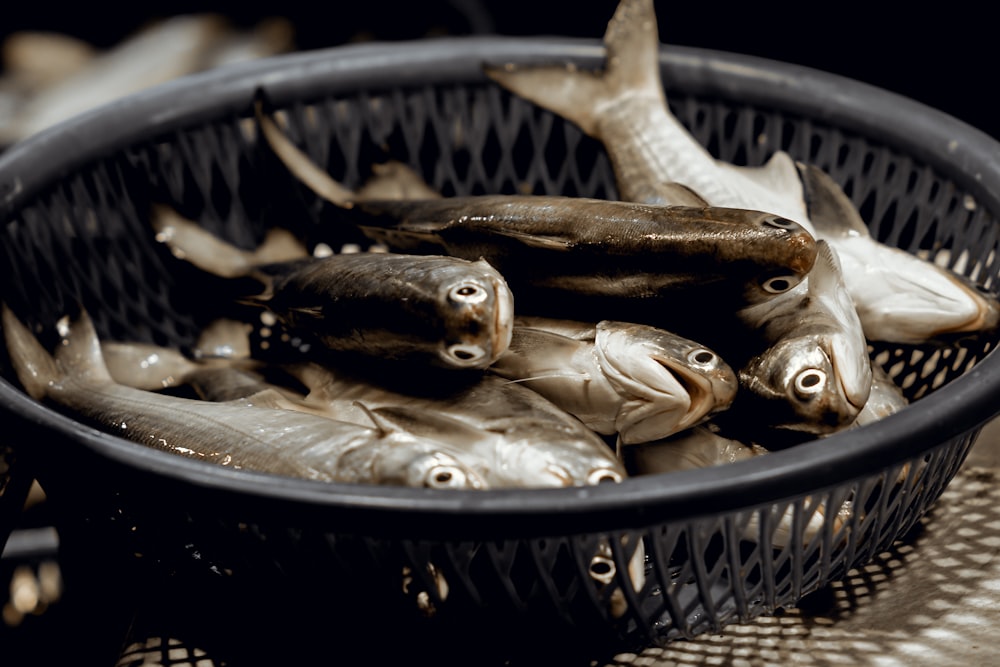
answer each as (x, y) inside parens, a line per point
(191, 242)
(396, 180)
(34, 366)
(632, 67)
(301, 166)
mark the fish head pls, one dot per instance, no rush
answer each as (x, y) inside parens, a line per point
(668, 382)
(779, 251)
(798, 384)
(477, 308)
(545, 454)
(418, 463)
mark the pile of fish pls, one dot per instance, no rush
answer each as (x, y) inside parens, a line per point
(48, 77)
(499, 341)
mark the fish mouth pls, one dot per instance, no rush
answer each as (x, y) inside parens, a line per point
(503, 320)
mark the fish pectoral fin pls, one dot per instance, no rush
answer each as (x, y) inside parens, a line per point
(831, 211)
(424, 424)
(543, 241)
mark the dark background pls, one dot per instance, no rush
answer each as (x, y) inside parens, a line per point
(942, 54)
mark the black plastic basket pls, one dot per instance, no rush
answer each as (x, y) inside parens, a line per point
(74, 206)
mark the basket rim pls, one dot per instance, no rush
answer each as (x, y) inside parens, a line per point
(962, 152)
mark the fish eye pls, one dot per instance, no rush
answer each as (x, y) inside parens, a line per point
(464, 354)
(781, 223)
(467, 293)
(779, 284)
(810, 381)
(603, 476)
(445, 477)
(701, 357)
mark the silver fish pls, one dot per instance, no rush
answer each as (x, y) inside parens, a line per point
(637, 381)
(282, 442)
(655, 159)
(158, 53)
(886, 398)
(511, 436)
(552, 246)
(703, 446)
(814, 374)
(525, 439)
(446, 311)
(900, 297)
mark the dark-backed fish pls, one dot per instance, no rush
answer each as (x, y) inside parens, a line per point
(76, 381)
(637, 381)
(447, 311)
(577, 246)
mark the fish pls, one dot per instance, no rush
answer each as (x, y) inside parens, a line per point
(705, 445)
(886, 398)
(635, 381)
(527, 439)
(653, 156)
(76, 381)
(900, 298)
(40, 58)
(445, 311)
(814, 373)
(507, 434)
(155, 54)
(552, 246)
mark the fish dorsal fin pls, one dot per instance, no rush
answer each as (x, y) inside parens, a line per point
(779, 174)
(34, 366)
(301, 166)
(80, 352)
(831, 211)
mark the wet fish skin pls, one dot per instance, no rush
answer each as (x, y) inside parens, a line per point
(446, 311)
(651, 152)
(814, 373)
(450, 312)
(900, 297)
(637, 381)
(523, 438)
(576, 245)
(704, 446)
(76, 381)
(506, 435)
(886, 398)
